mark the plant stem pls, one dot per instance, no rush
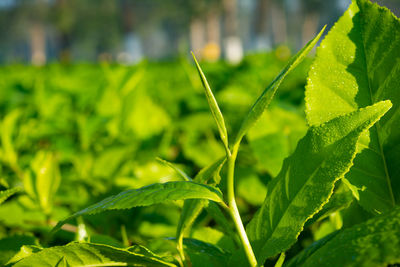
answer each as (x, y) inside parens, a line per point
(234, 210)
(181, 252)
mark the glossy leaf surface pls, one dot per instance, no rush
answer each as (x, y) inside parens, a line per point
(307, 179)
(85, 254)
(357, 65)
(375, 242)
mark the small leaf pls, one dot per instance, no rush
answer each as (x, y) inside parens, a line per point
(307, 179)
(193, 207)
(86, 254)
(266, 96)
(191, 210)
(210, 174)
(176, 169)
(375, 242)
(7, 193)
(212, 102)
(47, 177)
(8, 126)
(149, 195)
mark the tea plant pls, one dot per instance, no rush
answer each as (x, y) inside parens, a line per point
(348, 158)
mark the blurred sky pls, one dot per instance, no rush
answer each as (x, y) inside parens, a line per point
(126, 31)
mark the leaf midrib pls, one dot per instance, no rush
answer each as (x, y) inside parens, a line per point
(377, 125)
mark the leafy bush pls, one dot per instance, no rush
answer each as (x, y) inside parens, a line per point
(328, 194)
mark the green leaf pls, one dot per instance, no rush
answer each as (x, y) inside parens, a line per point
(86, 254)
(210, 174)
(176, 169)
(215, 212)
(7, 193)
(8, 126)
(193, 207)
(143, 116)
(47, 178)
(307, 179)
(212, 102)
(205, 254)
(25, 251)
(375, 242)
(340, 199)
(191, 210)
(358, 65)
(9, 246)
(274, 137)
(280, 261)
(300, 258)
(266, 96)
(149, 195)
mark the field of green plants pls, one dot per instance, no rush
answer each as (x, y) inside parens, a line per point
(277, 161)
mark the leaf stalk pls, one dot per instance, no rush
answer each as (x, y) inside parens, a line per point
(233, 210)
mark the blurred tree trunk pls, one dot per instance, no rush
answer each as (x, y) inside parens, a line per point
(64, 28)
(212, 51)
(232, 42)
(38, 44)
(261, 24)
(213, 28)
(132, 44)
(310, 27)
(197, 36)
(278, 20)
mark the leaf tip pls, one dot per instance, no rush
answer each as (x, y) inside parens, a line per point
(383, 106)
(56, 228)
(320, 33)
(193, 55)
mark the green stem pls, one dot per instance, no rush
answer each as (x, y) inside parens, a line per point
(181, 252)
(234, 210)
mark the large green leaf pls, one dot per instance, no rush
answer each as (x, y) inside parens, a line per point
(358, 64)
(307, 179)
(375, 242)
(86, 254)
(149, 195)
(266, 96)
